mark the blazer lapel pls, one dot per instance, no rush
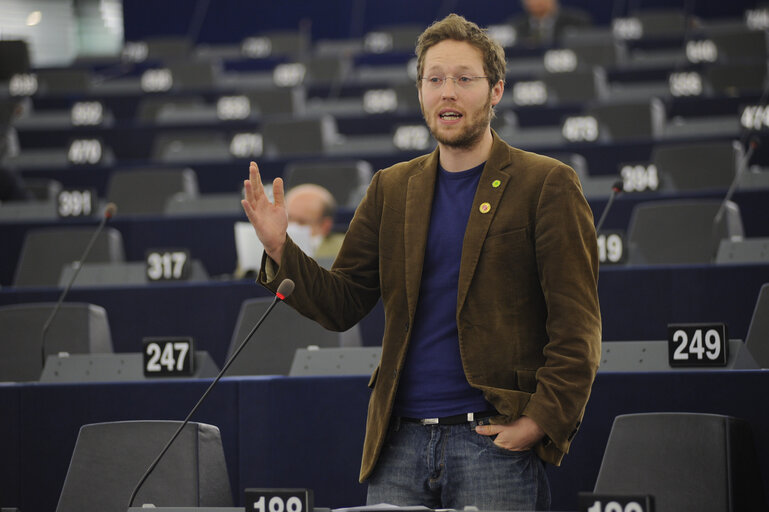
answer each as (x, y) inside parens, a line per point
(491, 186)
(419, 200)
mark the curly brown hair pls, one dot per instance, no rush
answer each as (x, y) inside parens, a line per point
(458, 28)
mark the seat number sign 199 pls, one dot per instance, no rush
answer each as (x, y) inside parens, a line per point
(279, 500)
(589, 502)
(698, 344)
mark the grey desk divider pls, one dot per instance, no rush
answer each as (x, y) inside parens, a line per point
(113, 367)
(120, 274)
(335, 361)
(652, 356)
(757, 340)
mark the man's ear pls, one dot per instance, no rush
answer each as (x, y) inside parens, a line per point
(496, 92)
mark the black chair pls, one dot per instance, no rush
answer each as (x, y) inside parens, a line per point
(740, 45)
(269, 102)
(735, 79)
(110, 458)
(64, 81)
(347, 180)
(46, 251)
(696, 166)
(624, 121)
(680, 231)
(77, 328)
(663, 22)
(290, 137)
(578, 86)
(146, 191)
(687, 461)
(271, 351)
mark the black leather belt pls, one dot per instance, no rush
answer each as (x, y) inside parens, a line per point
(457, 419)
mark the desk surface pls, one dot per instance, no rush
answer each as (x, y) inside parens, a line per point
(308, 431)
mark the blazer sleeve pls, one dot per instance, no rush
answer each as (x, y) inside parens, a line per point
(567, 263)
(339, 298)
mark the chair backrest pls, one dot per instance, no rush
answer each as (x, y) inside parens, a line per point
(572, 87)
(697, 166)
(298, 136)
(625, 121)
(757, 339)
(289, 101)
(271, 350)
(110, 458)
(740, 44)
(46, 251)
(736, 78)
(347, 181)
(71, 81)
(78, 328)
(146, 191)
(679, 231)
(193, 75)
(662, 22)
(687, 461)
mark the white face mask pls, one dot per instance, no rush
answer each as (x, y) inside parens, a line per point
(303, 238)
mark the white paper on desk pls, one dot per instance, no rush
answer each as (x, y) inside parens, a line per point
(249, 248)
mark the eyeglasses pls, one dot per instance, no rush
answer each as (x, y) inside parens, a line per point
(463, 82)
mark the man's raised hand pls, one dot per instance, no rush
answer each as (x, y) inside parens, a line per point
(269, 220)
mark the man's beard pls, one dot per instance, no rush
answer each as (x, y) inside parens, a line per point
(470, 135)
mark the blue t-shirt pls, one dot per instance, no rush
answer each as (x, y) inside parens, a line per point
(433, 382)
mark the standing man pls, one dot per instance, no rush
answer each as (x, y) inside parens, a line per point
(485, 258)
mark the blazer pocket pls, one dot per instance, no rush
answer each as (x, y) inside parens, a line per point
(515, 235)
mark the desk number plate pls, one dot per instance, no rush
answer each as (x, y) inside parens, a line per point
(698, 345)
(589, 502)
(279, 500)
(169, 357)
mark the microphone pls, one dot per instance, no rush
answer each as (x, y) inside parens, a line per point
(285, 289)
(616, 189)
(742, 164)
(753, 143)
(109, 212)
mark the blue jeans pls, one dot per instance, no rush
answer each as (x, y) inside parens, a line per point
(451, 466)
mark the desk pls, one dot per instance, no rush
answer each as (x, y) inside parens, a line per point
(308, 431)
(636, 304)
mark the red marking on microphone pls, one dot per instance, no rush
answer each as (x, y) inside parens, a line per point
(280, 296)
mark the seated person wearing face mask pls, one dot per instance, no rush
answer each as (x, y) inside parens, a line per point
(311, 209)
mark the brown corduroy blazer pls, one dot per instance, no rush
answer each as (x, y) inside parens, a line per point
(527, 304)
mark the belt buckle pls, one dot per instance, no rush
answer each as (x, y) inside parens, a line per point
(429, 421)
